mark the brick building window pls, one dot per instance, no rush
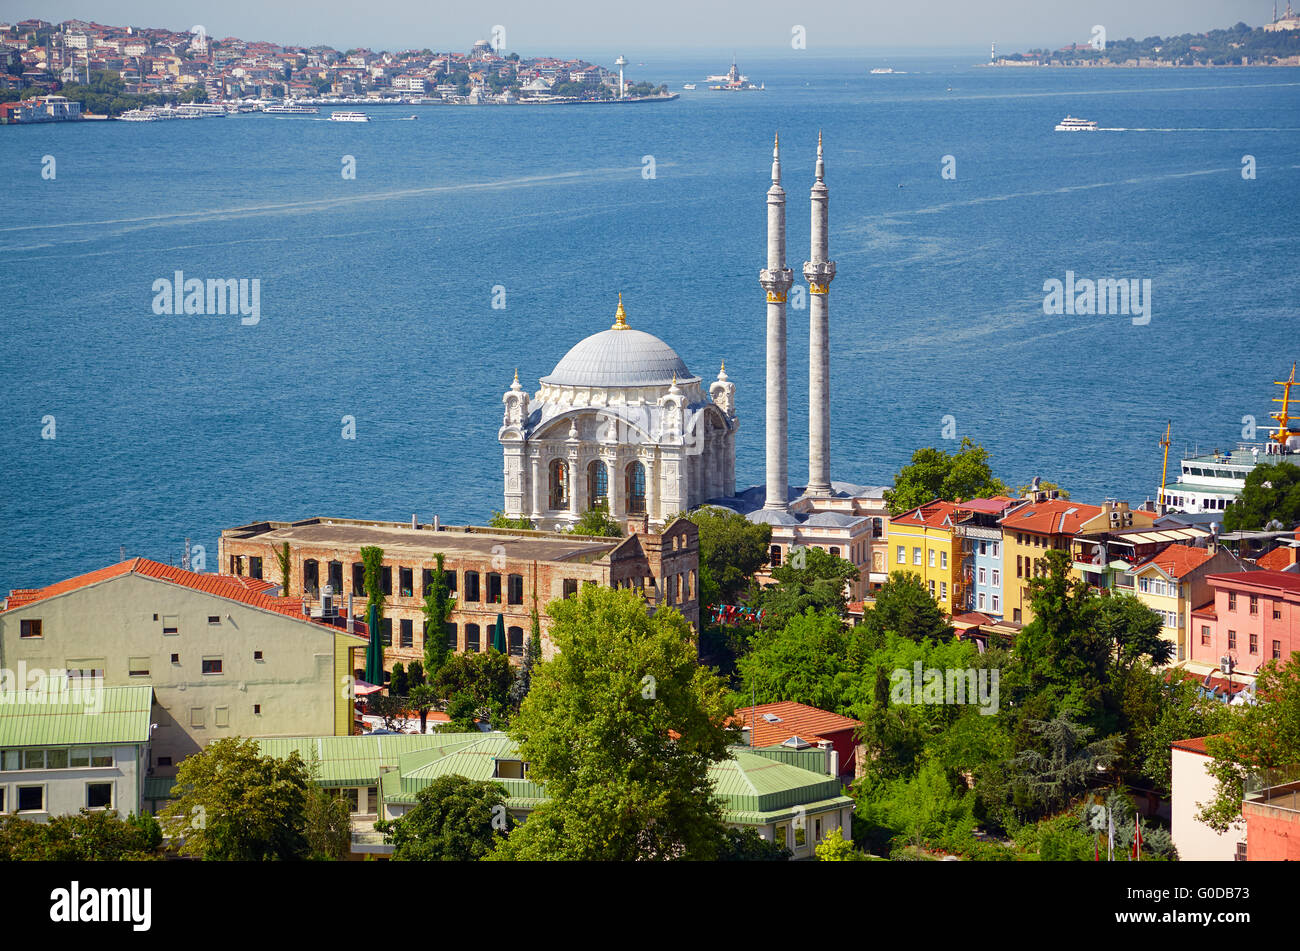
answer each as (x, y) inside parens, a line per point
(1232, 600)
(1232, 640)
(471, 638)
(1254, 643)
(236, 564)
(515, 641)
(1277, 650)
(386, 580)
(406, 582)
(255, 566)
(406, 631)
(335, 577)
(1254, 604)
(311, 576)
(471, 587)
(453, 636)
(386, 632)
(358, 579)
(515, 589)
(570, 587)
(493, 587)
(775, 556)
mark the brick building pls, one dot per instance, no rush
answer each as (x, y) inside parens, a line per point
(489, 571)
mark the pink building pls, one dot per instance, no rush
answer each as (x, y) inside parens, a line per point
(1255, 617)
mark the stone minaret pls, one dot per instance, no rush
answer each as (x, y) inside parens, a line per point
(776, 279)
(819, 272)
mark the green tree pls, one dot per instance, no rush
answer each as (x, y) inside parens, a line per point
(437, 608)
(84, 836)
(237, 805)
(746, 845)
(806, 661)
(282, 560)
(1133, 629)
(1073, 764)
(532, 656)
(597, 522)
(809, 578)
(327, 825)
(1061, 660)
(905, 606)
(454, 820)
(835, 848)
(622, 726)
(502, 520)
(1043, 486)
(390, 708)
(421, 700)
(1272, 493)
(1185, 712)
(1261, 738)
(486, 677)
(732, 549)
(399, 685)
(935, 474)
(372, 560)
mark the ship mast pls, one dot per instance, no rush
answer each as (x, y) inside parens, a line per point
(1164, 473)
(1284, 432)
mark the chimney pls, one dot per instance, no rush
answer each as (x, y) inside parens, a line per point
(414, 523)
(437, 527)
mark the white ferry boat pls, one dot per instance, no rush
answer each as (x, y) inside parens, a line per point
(1211, 481)
(290, 109)
(688, 85)
(1071, 124)
(137, 115)
(349, 117)
(882, 71)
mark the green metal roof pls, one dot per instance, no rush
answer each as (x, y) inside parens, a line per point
(78, 716)
(750, 782)
(358, 760)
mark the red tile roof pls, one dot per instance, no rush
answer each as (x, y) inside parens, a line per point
(1050, 517)
(796, 719)
(1178, 560)
(1193, 745)
(932, 514)
(250, 591)
(971, 619)
(1278, 580)
(1277, 559)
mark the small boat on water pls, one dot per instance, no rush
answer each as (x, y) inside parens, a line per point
(882, 71)
(688, 85)
(349, 117)
(1071, 124)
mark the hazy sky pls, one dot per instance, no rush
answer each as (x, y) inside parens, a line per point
(556, 26)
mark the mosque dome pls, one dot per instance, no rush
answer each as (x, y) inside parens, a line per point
(619, 357)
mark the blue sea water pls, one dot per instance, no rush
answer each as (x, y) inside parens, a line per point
(376, 293)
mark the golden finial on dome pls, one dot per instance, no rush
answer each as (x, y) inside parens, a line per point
(620, 316)
(516, 374)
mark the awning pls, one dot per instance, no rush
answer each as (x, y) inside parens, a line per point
(1090, 568)
(362, 689)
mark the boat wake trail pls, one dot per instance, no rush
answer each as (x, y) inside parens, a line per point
(1263, 129)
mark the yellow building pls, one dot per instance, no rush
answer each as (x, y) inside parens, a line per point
(1173, 585)
(1028, 533)
(922, 541)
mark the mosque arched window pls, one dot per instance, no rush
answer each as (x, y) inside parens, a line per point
(634, 477)
(597, 484)
(559, 484)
